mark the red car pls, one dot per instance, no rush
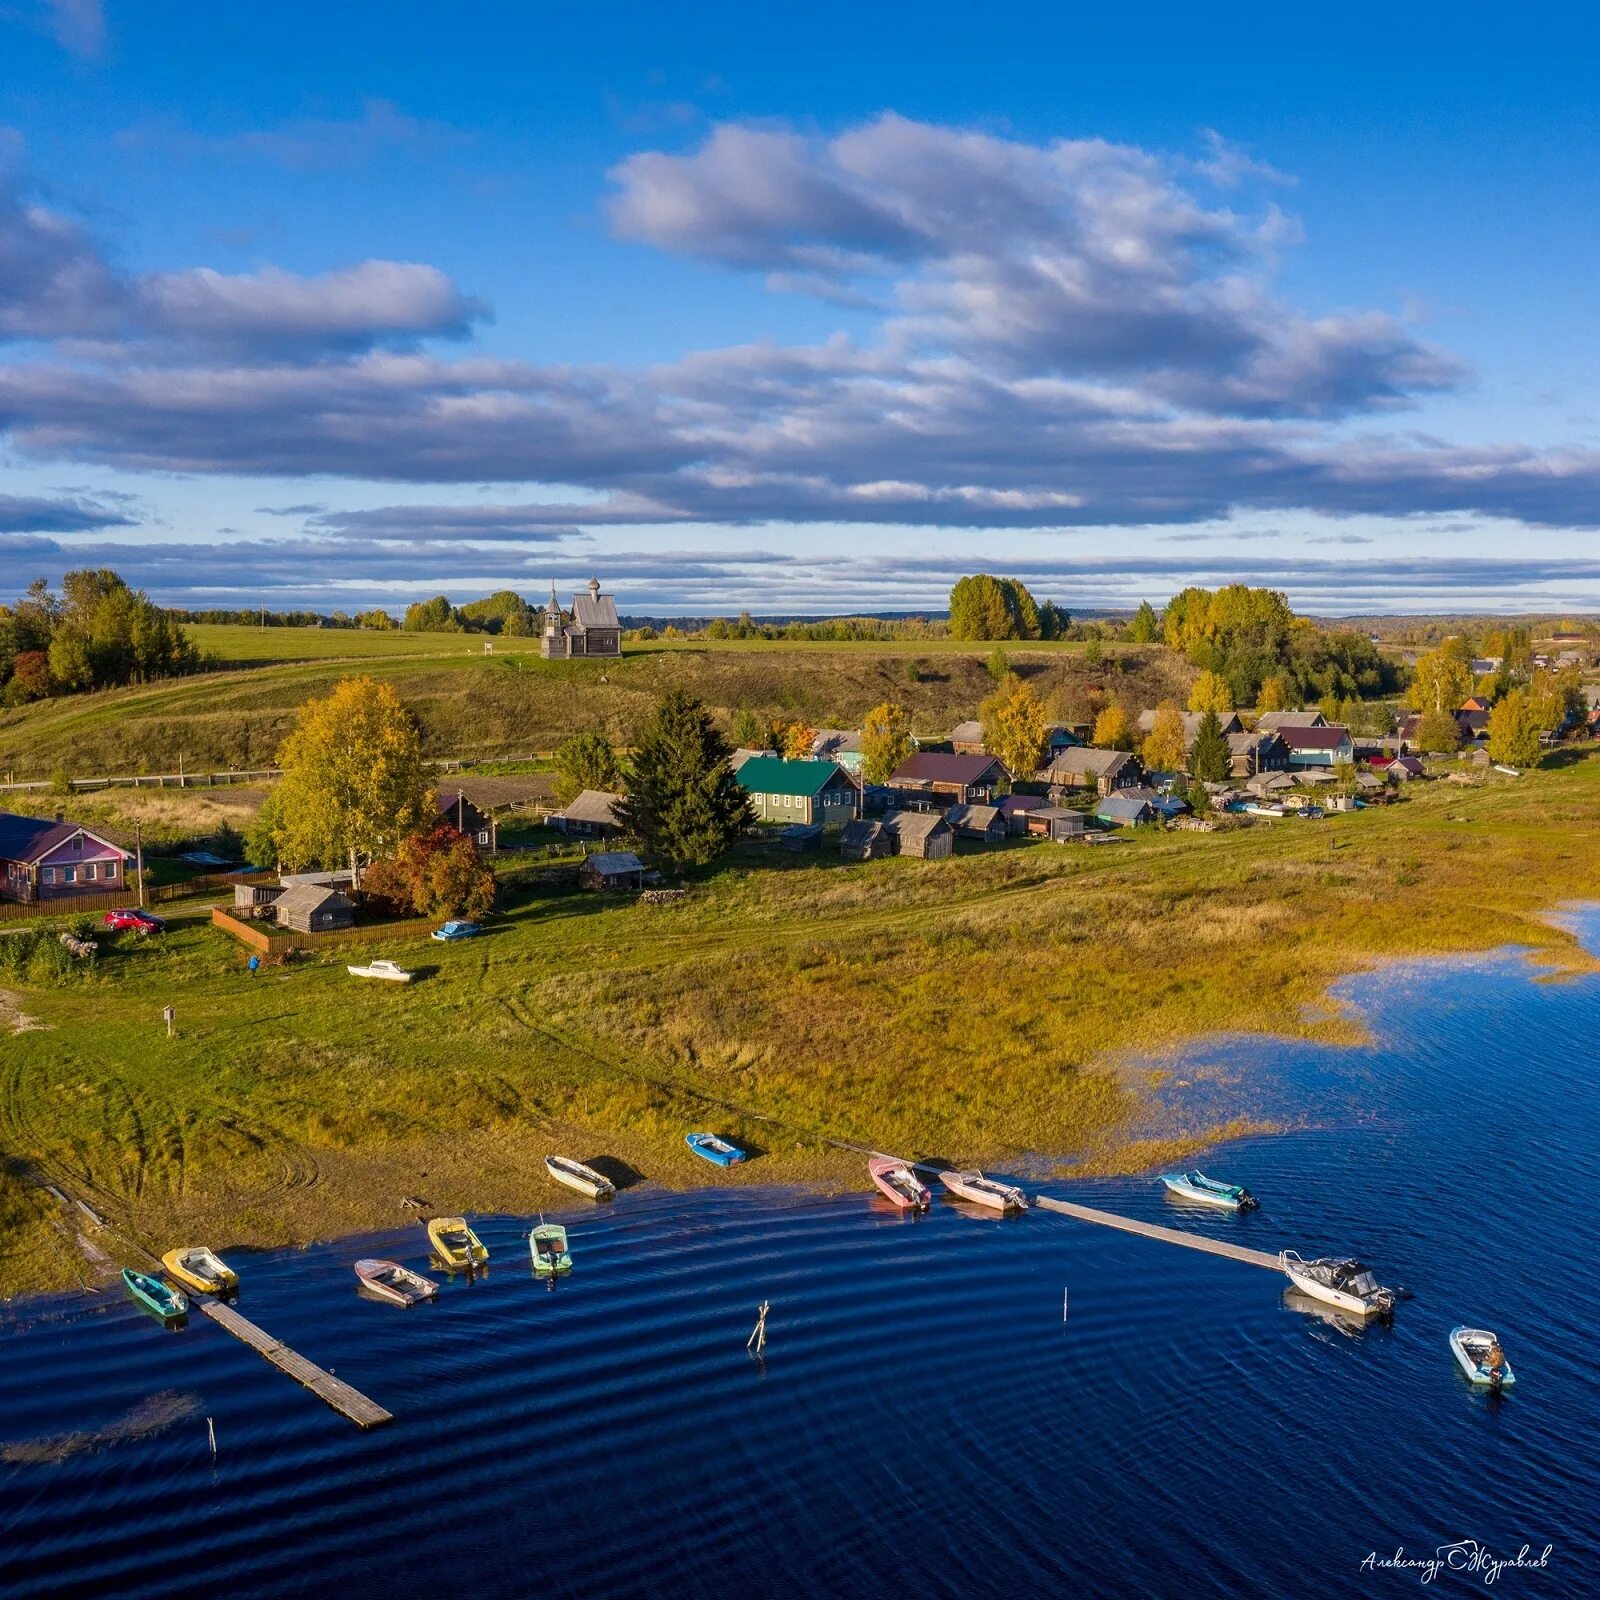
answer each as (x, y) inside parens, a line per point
(130, 917)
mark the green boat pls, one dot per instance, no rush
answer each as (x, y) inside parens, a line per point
(154, 1295)
(548, 1246)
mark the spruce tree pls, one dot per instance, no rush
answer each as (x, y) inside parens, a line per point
(1209, 760)
(684, 804)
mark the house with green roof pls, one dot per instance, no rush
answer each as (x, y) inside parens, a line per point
(809, 792)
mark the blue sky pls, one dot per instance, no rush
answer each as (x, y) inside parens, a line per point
(799, 308)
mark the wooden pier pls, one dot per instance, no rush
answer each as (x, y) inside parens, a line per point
(1151, 1230)
(336, 1392)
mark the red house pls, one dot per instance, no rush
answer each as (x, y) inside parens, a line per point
(45, 860)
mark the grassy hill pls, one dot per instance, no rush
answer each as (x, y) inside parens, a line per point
(514, 703)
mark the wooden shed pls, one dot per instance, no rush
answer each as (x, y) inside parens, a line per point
(920, 833)
(593, 815)
(312, 908)
(987, 823)
(1057, 822)
(612, 869)
(801, 837)
(864, 840)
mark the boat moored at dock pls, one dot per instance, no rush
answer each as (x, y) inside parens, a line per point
(971, 1184)
(1342, 1282)
(200, 1269)
(1196, 1186)
(575, 1175)
(161, 1298)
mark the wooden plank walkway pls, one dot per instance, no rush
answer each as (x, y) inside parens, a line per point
(1151, 1230)
(336, 1392)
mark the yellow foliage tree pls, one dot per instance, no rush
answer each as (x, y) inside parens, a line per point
(1443, 678)
(1013, 726)
(1166, 748)
(797, 741)
(1111, 730)
(885, 741)
(1211, 693)
(1274, 693)
(354, 783)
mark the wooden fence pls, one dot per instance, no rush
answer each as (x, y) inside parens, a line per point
(257, 936)
(67, 906)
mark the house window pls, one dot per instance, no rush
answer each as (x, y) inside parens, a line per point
(88, 872)
(109, 870)
(47, 875)
(69, 874)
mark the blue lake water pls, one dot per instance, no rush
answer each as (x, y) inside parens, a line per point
(925, 1420)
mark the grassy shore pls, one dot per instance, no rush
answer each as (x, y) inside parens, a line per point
(983, 1008)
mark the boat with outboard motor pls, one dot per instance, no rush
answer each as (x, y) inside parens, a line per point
(1341, 1281)
(1481, 1358)
(1209, 1191)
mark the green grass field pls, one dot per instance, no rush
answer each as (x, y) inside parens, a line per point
(987, 1008)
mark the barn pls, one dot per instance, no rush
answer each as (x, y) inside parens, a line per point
(313, 908)
(920, 833)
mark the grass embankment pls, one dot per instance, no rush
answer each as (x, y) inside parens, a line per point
(514, 704)
(974, 1009)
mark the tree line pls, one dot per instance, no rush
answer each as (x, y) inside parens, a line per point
(97, 633)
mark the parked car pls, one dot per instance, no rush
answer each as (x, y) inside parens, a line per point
(125, 917)
(1316, 813)
(458, 930)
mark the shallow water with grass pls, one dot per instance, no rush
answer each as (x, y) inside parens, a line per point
(927, 1418)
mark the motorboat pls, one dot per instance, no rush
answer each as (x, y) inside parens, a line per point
(196, 1267)
(455, 1244)
(389, 971)
(390, 1281)
(717, 1151)
(166, 1302)
(1209, 1192)
(981, 1191)
(577, 1176)
(1342, 1282)
(898, 1183)
(547, 1244)
(1481, 1358)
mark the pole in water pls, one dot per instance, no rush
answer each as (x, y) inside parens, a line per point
(1063, 1303)
(757, 1342)
(211, 1433)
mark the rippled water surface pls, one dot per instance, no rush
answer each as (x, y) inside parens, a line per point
(925, 1420)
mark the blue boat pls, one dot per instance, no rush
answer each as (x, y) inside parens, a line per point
(1208, 1191)
(167, 1303)
(717, 1151)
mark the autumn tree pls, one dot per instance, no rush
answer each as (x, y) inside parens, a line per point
(1438, 733)
(1442, 678)
(1146, 626)
(1013, 726)
(1557, 698)
(1210, 693)
(438, 873)
(1209, 759)
(586, 761)
(885, 742)
(1273, 694)
(1111, 729)
(985, 607)
(749, 731)
(797, 741)
(684, 804)
(1514, 729)
(354, 783)
(1165, 748)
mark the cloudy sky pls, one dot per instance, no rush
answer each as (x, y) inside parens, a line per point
(799, 309)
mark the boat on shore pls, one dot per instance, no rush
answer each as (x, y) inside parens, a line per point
(1206, 1191)
(1342, 1282)
(455, 1244)
(166, 1302)
(547, 1244)
(898, 1183)
(1481, 1358)
(717, 1151)
(577, 1176)
(388, 971)
(390, 1281)
(200, 1269)
(971, 1184)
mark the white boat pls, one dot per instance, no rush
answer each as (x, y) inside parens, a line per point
(1481, 1358)
(577, 1176)
(981, 1191)
(1345, 1283)
(387, 970)
(1209, 1191)
(390, 1281)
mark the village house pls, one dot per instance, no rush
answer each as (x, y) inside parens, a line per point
(1317, 747)
(920, 833)
(1124, 811)
(593, 815)
(1250, 753)
(864, 840)
(1086, 767)
(1275, 721)
(610, 870)
(1058, 737)
(591, 628)
(949, 779)
(799, 791)
(1191, 724)
(41, 859)
(1472, 725)
(842, 745)
(313, 908)
(987, 823)
(966, 739)
(1015, 808)
(465, 817)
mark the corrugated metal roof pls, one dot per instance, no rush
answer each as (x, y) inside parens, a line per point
(938, 766)
(594, 805)
(773, 775)
(610, 862)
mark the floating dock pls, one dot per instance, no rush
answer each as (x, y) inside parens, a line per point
(1152, 1230)
(336, 1392)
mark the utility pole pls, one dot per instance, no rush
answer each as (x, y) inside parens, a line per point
(138, 848)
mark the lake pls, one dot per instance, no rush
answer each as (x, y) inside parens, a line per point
(925, 1419)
